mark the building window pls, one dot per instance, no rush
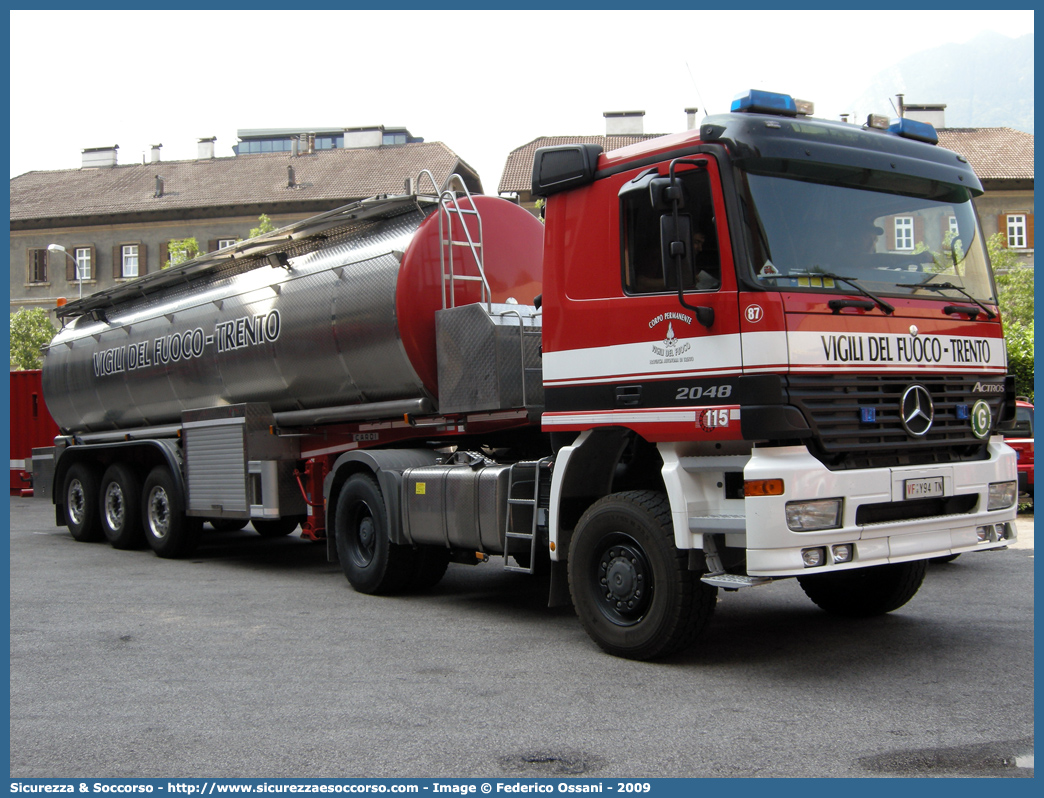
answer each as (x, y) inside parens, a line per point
(1017, 231)
(953, 227)
(129, 255)
(83, 263)
(37, 271)
(904, 232)
(226, 242)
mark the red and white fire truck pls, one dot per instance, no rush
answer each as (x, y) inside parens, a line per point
(766, 348)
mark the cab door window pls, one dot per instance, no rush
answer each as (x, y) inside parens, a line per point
(645, 270)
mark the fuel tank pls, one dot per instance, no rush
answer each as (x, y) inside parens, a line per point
(335, 311)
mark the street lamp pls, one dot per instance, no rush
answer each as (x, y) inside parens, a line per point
(76, 267)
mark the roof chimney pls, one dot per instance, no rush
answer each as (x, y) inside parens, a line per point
(690, 118)
(159, 187)
(97, 157)
(205, 150)
(291, 178)
(934, 114)
(156, 152)
(623, 123)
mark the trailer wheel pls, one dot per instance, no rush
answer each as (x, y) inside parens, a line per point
(169, 532)
(276, 527)
(865, 592)
(120, 500)
(631, 586)
(371, 562)
(81, 503)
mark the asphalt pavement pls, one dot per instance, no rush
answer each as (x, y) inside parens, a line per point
(254, 658)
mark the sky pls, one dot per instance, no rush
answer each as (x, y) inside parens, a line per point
(482, 82)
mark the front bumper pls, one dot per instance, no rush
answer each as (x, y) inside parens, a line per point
(773, 549)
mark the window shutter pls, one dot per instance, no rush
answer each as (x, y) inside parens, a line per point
(890, 233)
(212, 245)
(918, 231)
(117, 262)
(1029, 230)
(94, 264)
(143, 261)
(1002, 228)
(164, 254)
(70, 267)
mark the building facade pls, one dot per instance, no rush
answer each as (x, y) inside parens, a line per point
(77, 231)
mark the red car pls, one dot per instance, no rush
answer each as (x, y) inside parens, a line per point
(1021, 440)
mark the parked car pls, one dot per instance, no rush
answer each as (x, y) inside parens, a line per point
(1021, 440)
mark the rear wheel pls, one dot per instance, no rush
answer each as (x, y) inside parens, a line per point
(120, 500)
(631, 586)
(81, 503)
(371, 562)
(865, 592)
(429, 566)
(276, 527)
(169, 532)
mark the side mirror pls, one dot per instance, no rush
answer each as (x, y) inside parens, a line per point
(676, 249)
(663, 192)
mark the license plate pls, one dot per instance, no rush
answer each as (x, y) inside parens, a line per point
(924, 488)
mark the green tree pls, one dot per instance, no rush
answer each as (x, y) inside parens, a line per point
(31, 330)
(181, 250)
(264, 225)
(1015, 294)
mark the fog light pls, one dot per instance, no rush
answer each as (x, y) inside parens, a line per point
(813, 558)
(1002, 495)
(1000, 531)
(984, 533)
(842, 552)
(809, 516)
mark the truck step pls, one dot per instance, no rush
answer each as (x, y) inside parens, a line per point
(734, 581)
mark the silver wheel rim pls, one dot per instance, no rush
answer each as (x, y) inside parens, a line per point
(76, 502)
(114, 507)
(159, 513)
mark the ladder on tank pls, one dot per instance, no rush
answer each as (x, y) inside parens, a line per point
(453, 222)
(523, 517)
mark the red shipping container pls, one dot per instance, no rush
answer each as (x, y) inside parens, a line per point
(31, 425)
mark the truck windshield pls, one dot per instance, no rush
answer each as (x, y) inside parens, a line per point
(804, 220)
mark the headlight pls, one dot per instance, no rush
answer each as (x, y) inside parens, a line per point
(1002, 495)
(810, 516)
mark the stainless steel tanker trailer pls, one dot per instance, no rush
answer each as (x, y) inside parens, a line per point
(226, 389)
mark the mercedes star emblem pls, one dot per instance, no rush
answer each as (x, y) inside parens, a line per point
(917, 410)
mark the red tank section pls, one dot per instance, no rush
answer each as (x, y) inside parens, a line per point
(512, 242)
(31, 424)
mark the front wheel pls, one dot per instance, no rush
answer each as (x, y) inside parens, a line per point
(371, 562)
(865, 592)
(169, 532)
(631, 585)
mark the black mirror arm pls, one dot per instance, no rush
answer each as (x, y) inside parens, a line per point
(704, 315)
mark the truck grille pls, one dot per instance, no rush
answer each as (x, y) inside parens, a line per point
(838, 409)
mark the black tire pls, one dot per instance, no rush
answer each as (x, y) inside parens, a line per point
(631, 586)
(946, 559)
(119, 502)
(81, 503)
(276, 527)
(371, 562)
(228, 524)
(169, 532)
(429, 566)
(865, 592)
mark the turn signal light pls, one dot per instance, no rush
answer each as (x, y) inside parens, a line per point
(763, 487)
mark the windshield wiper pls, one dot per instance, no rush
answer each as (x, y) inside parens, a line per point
(950, 287)
(852, 281)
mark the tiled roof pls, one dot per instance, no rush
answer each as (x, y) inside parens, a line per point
(994, 153)
(518, 171)
(326, 175)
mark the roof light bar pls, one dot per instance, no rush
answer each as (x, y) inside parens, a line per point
(912, 129)
(756, 101)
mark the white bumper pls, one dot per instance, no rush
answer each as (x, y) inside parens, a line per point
(773, 549)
